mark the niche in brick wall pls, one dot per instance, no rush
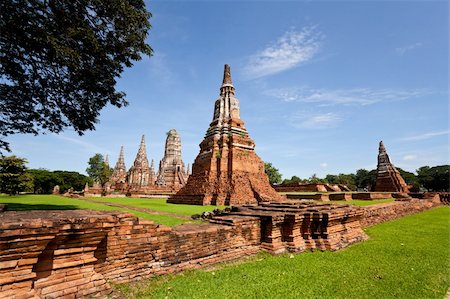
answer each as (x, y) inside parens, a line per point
(44, 266)
(266, 229)
(100, 254)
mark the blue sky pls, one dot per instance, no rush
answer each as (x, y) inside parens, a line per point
(320, 84)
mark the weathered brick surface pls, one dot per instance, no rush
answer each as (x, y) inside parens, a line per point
(371, 195)
(388, 177)
(73, 253)
(316, 196)
(340, 196)
(227, 170)
(310, 187)
(45, 254)
(379, 213)
(297, 226)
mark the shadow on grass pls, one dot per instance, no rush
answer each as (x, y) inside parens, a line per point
(28, 207)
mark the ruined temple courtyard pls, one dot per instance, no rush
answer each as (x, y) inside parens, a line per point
(246, 237)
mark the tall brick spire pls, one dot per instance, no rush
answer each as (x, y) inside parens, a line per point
(139, 174)
(388, 177)
(171, 168)
(227, 76)
(227, 170)
(141, 156)
(381, 148)
(121, 158)
(119, 175)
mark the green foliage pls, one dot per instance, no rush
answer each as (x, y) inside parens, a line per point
(13, 176)
(98, 170)
(405, 258)
(273, 173)
(293, 179)
(218, 154)
(314, 179)
(344, 179)
(71, 179)
(434, 178)
(409, 177)
(59, 61)
(365, 179)
(44, 180)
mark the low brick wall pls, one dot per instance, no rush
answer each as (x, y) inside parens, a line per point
(340, 196)
(379, 213)
(73, 253)
(371, 195)
(315, 196)
(52, 254)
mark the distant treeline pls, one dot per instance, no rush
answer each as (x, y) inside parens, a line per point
(42, 181)
(428, 178)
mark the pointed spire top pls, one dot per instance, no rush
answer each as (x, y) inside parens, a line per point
(152, 165)
(381, 149)
(227, 76)
(121, 153)
(107, 159)
(142, 150)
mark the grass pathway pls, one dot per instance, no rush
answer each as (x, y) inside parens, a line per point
(54, 202)
(135, 208)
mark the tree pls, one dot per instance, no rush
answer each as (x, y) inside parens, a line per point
(365, 179)
(314, 179)
(332, 179)
(59, 61)
(273, 173)
(434, 178)
(13, 176)
(43, 181)
(71, 179)
(98, 170)
(293, 179)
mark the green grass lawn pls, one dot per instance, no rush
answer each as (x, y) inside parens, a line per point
(363, 202)
(159, 204)
(405, 258)
(52, 202)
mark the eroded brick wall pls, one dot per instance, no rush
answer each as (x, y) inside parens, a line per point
(379, 213)
(45, 254)
(73, 253)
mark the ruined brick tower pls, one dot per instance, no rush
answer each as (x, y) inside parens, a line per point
(388, 177)
(139, 175)
(118, 179)
(171, 172)
(227, 169)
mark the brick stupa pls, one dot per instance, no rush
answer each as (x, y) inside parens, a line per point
(172, 173)
(388, 177)
(227, 169)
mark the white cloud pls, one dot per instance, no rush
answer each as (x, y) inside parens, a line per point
(354, 96)
(290, 50)
(425, 136)
(159, 69)
(324, 165)
(89, 147)
(402, 50)
(409, 157)
(315, 121)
